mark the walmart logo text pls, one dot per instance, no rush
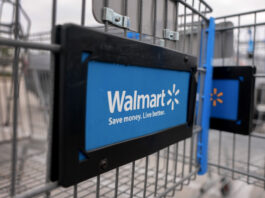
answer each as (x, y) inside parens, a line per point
(122, 101)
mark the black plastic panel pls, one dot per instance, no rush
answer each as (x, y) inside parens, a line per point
(70, 102)
(245, 76)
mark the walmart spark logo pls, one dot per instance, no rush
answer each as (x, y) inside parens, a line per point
(216, 97)
(173, 98)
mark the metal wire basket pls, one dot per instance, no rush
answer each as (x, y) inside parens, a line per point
(231, 155)
(25, 109)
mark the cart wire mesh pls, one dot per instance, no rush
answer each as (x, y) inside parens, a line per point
(26, 79)
(234, 156)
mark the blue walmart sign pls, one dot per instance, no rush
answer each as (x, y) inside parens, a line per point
(224, 99)
(126, 102)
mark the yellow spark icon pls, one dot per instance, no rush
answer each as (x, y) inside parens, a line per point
(215, 97)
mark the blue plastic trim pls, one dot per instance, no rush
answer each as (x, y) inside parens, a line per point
(133, 35)
(250, 43)
(202, 151)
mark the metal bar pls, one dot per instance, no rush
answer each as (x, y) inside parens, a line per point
(255, 135)
(234, 135)
(154, 21)
(220, 132)
(233, 155)
(167, 164)
(254, 40)
(191, 153)
(106, 3)
(201, 83)
(196, 129)
(54, 14)
(49, 134)
(243, 13)
(248, 159)
(157, 170)
(222, 47)
(166, 14)
(31, 45)
(140, 19)
(166, 19)
(15, 80)
(37, 34)
(185, 21)
(239, 172)
(259, 75)
(201, 77)
(125, 13)
(238, 34)
(175, 167)
(201, 69)
(38, 191)
(132, 179)
(98, 187)
(190, 14)
(116, 183)
(83, 12)
(191, 30)
(75, 191)
(9, 25)
(177, 21)
(242, 26)
(219, 150)
(6, 32)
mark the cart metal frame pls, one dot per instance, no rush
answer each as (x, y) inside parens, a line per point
(241, 157)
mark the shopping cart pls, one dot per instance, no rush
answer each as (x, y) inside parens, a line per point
(25, 162)
(233, 156)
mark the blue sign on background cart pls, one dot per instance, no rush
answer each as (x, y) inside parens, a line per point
(116, 100)
(224, 99)
(232, 99)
